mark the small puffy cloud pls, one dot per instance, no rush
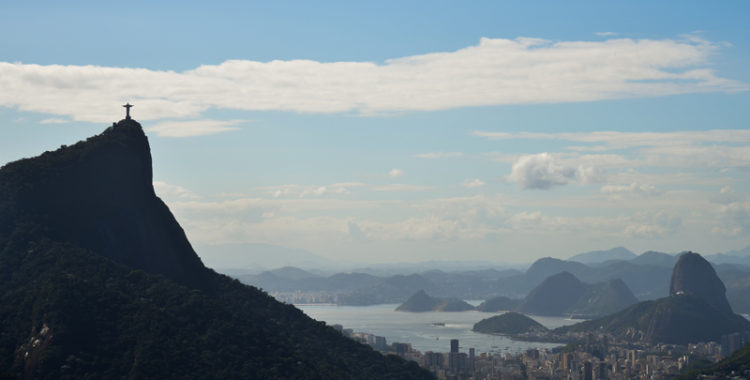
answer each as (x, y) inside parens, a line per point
(190, 128)
(436, 155)
(543, 171)
(605, 34)
(473, 183)
(395, 173)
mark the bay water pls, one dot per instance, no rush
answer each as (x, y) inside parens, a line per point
(428, 331)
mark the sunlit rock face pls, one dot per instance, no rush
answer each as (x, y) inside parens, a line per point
(694, 275)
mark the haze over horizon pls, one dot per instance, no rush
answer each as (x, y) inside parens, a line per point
(396, 133)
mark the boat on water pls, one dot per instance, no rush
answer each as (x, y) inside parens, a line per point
(438, 324)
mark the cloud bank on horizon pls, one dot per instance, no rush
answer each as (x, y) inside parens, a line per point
(495, 193)
(494, 72)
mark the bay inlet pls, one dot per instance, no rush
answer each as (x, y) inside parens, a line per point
(428, 331)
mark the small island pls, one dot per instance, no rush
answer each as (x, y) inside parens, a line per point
(511, 323)
(421, 302)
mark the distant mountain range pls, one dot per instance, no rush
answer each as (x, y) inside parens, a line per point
(647, 276)
(243, 258)
(559, 294)
(695, 311)
(617, 253)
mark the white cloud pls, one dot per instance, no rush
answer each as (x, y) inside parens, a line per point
(164, 189)
(543, 171)
(494, 72)
(633, 188)
(189, 128)
(436, 155)
(653, 225)
(303, 191)
(733, 214)
(395, 173)
(727, 195)
(605, 34)
(54, 121)
(685, 149)
(623, 140)
(401, 187)
(472, 183)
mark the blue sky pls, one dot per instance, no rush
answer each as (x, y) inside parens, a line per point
(363, 132)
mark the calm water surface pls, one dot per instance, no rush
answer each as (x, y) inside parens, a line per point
(420, 329)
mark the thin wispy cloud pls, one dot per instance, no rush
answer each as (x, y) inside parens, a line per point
(401, 187)
(54, 121)
(494, 72)
(164, 189)
(436, 155)
(395, 173)
(633, 188)
(615, 139)
(473, 183)
(694, 149)
(190, 128)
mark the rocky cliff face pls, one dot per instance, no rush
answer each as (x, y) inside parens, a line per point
(99, 195)
(692, 274)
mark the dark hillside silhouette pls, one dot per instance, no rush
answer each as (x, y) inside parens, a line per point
(98, 280)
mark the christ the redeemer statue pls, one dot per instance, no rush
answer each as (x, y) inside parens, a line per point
(127, 110)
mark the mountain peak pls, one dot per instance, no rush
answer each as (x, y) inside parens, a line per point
(692, 274)
(98, 193)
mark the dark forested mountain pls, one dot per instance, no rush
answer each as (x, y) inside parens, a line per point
(564, 294)
(554, 296)
(421, 302)
(690, 314)
(97, 280)
(508, 324)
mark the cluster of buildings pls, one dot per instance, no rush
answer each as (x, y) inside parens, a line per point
(595, 357)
